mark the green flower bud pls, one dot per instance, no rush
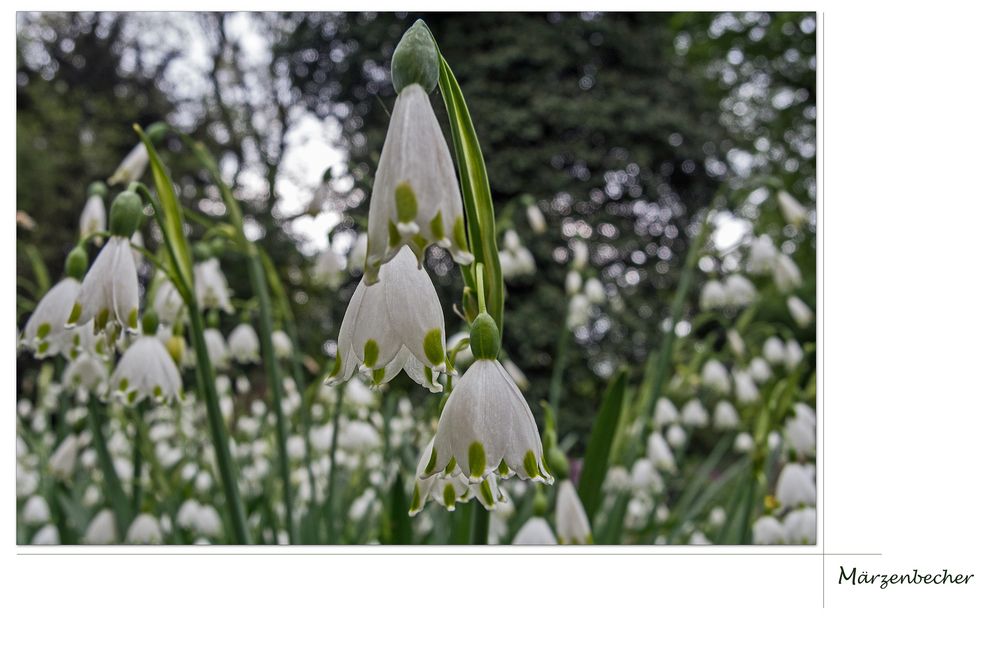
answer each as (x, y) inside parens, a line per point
(484, 337)
(157, 131)
(415, 59)
(557, 463)
(175, 346)
(126, 214)
(76, 263)
(149, 322)
(97, 188)
(540, 504)
(202, 251)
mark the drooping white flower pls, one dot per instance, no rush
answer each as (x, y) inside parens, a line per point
(792, 211)
(110, 290)
(395, 324)
(787, 276)
(101, 529)
(725, 417)
(645, 479)
(594, 290)
(579, 311)
(793, 354)
(713, 295)
(767, 530)
(664, 413)
(535, 531)
(132, 167)
(45, 333)
(736, 343)
(26, 482)
(801, 313)
(282, 344)
(415, 198)
(574, 282)
(745, 388)
(145, 529)
(47, 535)
(218, 350)
(676, 436)
(774, 350)
(167, 303)
(572, 525)
(146, 370)
(760, 371)
(715, 376)
(535, 219)
(800, 526)
(800, 430)
(658, 451)
(210, 286)
(244, 345)
(581, 254)
(693, 414)
(739, 290)
(762, 255)
(320, 194)
(62, 463)
(449, 489)
(35, 511)
(795, 486)
(94, 217)
(328, 269)
(743, 443)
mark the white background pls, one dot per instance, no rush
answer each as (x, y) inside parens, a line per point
(908, 447)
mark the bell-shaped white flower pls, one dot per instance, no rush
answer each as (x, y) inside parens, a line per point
(85, 372)
(774, 350)
(762, 255)
(62, 463)
(645, 479)
(787, 276)
(739, 290)
(282, 344)
(536, 220)
(693, 414)
(574, 282)
(676, 436)
(800, 430)
(581, 254)
(793, 354)
(760, 371)
(715, 376)
(244, 345)
(94, 217)
(792, 211)
(218, 349)
(800, 526)
(146, 370)
(168, 303)
(594, 290)
(45, 333)
(795, 486)
(415, 197)
(801, 313)
(572, 525)
(110, 290)
(745, 388)
(664, 413)
(713, 295)
(35, 511)
(579, 311)
(101, 529)
(210, 286)
(132, 167)
(145, 529)
(395, 324)
(47, 535)
(743, 443)
(449, 489)
(725, 417)
(658, 451)
(535, 532)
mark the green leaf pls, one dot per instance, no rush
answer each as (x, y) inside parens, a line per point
(602, 435)
(476, 195)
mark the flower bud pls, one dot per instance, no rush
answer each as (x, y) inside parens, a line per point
(175, 346)
(126, 214)
(76, 263)
(484, 338)
(97, 189)
(415, 59)
(150, 321)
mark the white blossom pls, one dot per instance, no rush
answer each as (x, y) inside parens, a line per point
(725, 417)
(664, 413)
(45, 333)
(787, 276)
(572, 525)
(792, 211)
(47, 535)
(795, 486)
(94, 217)
(535, 531)
(210, 286)
(658, 451)
(146, 370)
(101, 529)
(145, 529)
(244, 345)
(110, 290)
(800, 312)
(715, 376)
(132, 167)
(800, 526)
(693, 414)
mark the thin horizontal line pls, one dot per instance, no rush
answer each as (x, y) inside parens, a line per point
(559, 551)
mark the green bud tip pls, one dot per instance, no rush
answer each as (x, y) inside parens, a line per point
(157, 131)
(76, 263)
(149, 323)
(97, 188)
(202, 251)
(126, 214)
(484, 337)
(415, 59)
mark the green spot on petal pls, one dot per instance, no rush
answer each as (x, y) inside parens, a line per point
(433, 347)
(43, 347)
(449, 496)
(437, 227)
(133, 319)
(531, 464)
(429, 375)
(394, 237)
(477, 459)
(338, 363)
(406, 202)
(123, 385)
(371, 353)
(484, 488)
(378, 375)
(503, 470)
(45, 328)
(458, 234)
(101, 320)
(415, 502)
(430, 464)
(74, 314)
(450, 468)
(132, 395)
(157, 391)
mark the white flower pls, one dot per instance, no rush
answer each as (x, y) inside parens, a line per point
(45, 333)
(110, 289)
(359, 436)
(449, 489)
(218, 350)
(736, 342)
(244, 345)
(101, 529)
(94, 218)
(282, 344)
(617, 480)
(725, 417)
(786, 274)
(664, 413)
(145, 529)
(594, 290)
(328, 269)
(637, 512)
(743, 443)
(572, 525)
(535, 531)
(792, 211)
(415, 197)
(46, 535)
(801, 313)
(167, 303)
(146, 370)
(745, 389)
(487, 426)
(762, 255)
(35, 511)
(713, 295)
(800, 430)
(739, 291)
(516, 263)
(676, 436)
(62, 463)
(645, 479)
(793, 354)
(581, 254)
(26, 482)
(658, 451)
(774, 350)
(132, 167)
(210, 286)
(715, 376)
(395, 324)
(759, 369)
(800, 526)
(694, 414)
(579, 311)
(795, 486)
(535, 219)
(574, 282)
(768, 530)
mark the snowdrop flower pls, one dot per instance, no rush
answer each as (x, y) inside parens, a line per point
(35, 511)
(659, 453)
(715, 376)
(795, 486)
(581, 254)
(736, 342)
(168, 303)
(145, 529)
(328, 269)
(244, 345)
(767, 530)
(47, 535)
(617, 480)
(94, 218)
(210, 286)
(713, 295)
(793, 354)
(594, 290)
(739, 291)
(486, 425)
(146, 369)
(574, 282)
(676, 436)
(535, 531)
(745, 389)
(26, 482)
(395, 324)
(101, 529)
(449, 489)
(774, 350)
(762, 255)
(572, 525)
(693, 414)
(535, 219)
(63, 460)
(516, 263)
(800, 526)
(218, 350)
(800, 431)
(579, 311)
(132, 167)
(725, 417)
(645, 479)
(698, 539)
(637, 512)
(45, 333)
(792, 211)
(801, 313)
(743, 443)
(664, 413)
(110, 290)
(359, 436)
(787, 276)
(282, 344)
(717, 517)
(759, 370)
(321, 194)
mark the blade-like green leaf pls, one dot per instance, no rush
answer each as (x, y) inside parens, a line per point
(602, 435)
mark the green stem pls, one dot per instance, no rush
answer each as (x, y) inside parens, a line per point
(481, 524)
(558, 370)
(331, 478)
(112, 485)
(136, 476)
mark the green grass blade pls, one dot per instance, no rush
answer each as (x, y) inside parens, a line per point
(602, 435)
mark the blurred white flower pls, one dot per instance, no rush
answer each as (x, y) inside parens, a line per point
(45, 333)
(736, 343)
(395, 324)
(132, 167)
(574, 282)
(579, 311)
(767, 530)
(516, 374)
(725, 417)
(645, 479)
(658, 451)
(793, 354)
(62, 463)
(535, 219)
(244, 345)
(47, 535)
(715, 376)
(762, 255)
(210, 286)
(759, 369)
(713, 295)
(535, 531)
(774, 350)
(676, 436)
(800, 526)
(145, 529)
(594, 290)
(664, 413)
(218, 350)
(787, 276)
(282, 344)
(693, 414)
(328, 268)
(101, 529)
(792, 211)
(415, 198)
(745, 389)
(581, 254)
(801, 313)
(739, 291)
(35, 511)
(572, 525)
(94, 217)
(795, 486)
(167, 303)
(800, 430)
